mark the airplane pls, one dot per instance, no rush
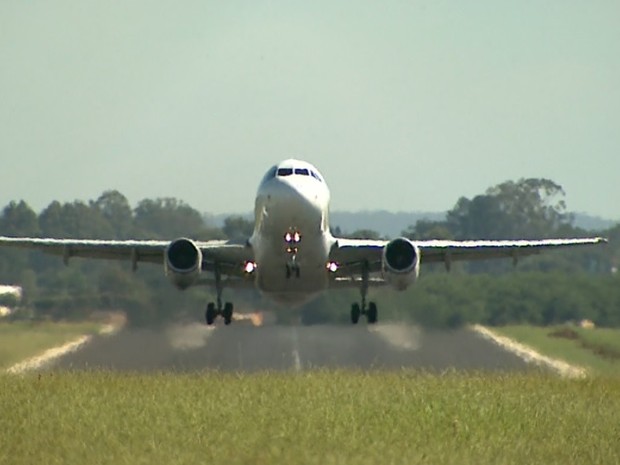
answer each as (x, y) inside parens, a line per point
(291, 256)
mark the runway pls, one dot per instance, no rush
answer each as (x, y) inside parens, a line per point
(245, 348)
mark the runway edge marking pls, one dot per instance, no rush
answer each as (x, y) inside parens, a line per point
(49, 355)
(529, 355)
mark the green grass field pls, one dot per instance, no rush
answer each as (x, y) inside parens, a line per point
(20, 340)
(597, 350)
(317, 417)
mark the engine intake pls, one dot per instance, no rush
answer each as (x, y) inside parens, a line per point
(183, 262)
(400, 263)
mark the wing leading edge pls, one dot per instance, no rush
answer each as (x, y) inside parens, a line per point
(350, 254)
(230, 256)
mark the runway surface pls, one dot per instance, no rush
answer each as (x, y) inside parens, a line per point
(244, 348)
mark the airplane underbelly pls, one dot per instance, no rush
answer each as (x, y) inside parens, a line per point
(272, 276)
(291, 245)
(275, 277)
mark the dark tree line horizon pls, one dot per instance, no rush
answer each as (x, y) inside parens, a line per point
(527, 208)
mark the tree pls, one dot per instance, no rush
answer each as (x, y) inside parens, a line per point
(428, 229)
(528, 208)
(364, 234)
(116, 210)
(17, 219)
(75, 220)
(479, 218)
(166, 218)
(51, 221)
(236, 227)
(537, 205)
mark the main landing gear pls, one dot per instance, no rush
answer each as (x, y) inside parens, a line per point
(213, 311)
(215, 308)
(371, 310)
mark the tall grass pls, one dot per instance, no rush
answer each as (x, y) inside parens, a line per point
(320, 417)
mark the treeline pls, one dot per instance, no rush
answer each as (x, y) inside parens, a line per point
(549, 288)
(553, 287)
(452, 300)
(52, 290)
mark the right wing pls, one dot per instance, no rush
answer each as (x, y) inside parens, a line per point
(228, 256)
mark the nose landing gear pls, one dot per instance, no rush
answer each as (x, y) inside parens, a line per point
(291, 239)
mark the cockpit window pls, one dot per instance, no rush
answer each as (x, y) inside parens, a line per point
(275, 171)
(316, 176)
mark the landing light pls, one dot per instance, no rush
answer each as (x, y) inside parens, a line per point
(332, 266)
(292, 237)
(249, 267)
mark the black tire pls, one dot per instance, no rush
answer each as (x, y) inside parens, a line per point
(355, 313)
(211, 313)
(227, 313)
(372, 313)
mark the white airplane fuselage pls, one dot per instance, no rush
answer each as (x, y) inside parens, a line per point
(291, 238)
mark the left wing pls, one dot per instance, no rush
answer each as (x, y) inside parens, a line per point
(446, 251)
(228, 255)
(354, 254)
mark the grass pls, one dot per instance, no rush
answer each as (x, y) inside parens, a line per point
(605, 337)
(316, 417)
(597, 350)
(20, 340)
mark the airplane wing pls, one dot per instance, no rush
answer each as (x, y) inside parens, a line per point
(228, 255)
(352, 254)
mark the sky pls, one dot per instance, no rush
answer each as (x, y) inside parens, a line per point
(402, 105)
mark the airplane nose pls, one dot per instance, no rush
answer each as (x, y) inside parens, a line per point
(285, 204)
(281, 190)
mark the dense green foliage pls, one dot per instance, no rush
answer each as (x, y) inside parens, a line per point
(55, 291)
(451, 300)
(320, 417)
(547, 289)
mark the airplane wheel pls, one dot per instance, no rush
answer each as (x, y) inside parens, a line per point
(355, 313)
(210, 313)
(372, 313)
(227, 313)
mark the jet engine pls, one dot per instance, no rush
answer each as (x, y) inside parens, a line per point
(183, 262)
(400, 263)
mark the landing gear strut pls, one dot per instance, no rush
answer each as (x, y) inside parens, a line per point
(292, 269)
(215, 308)
(371, 310)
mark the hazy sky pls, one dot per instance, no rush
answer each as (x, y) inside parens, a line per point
(402, 105)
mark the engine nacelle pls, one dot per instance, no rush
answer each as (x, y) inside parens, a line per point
(400, 263)
(183, 262)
